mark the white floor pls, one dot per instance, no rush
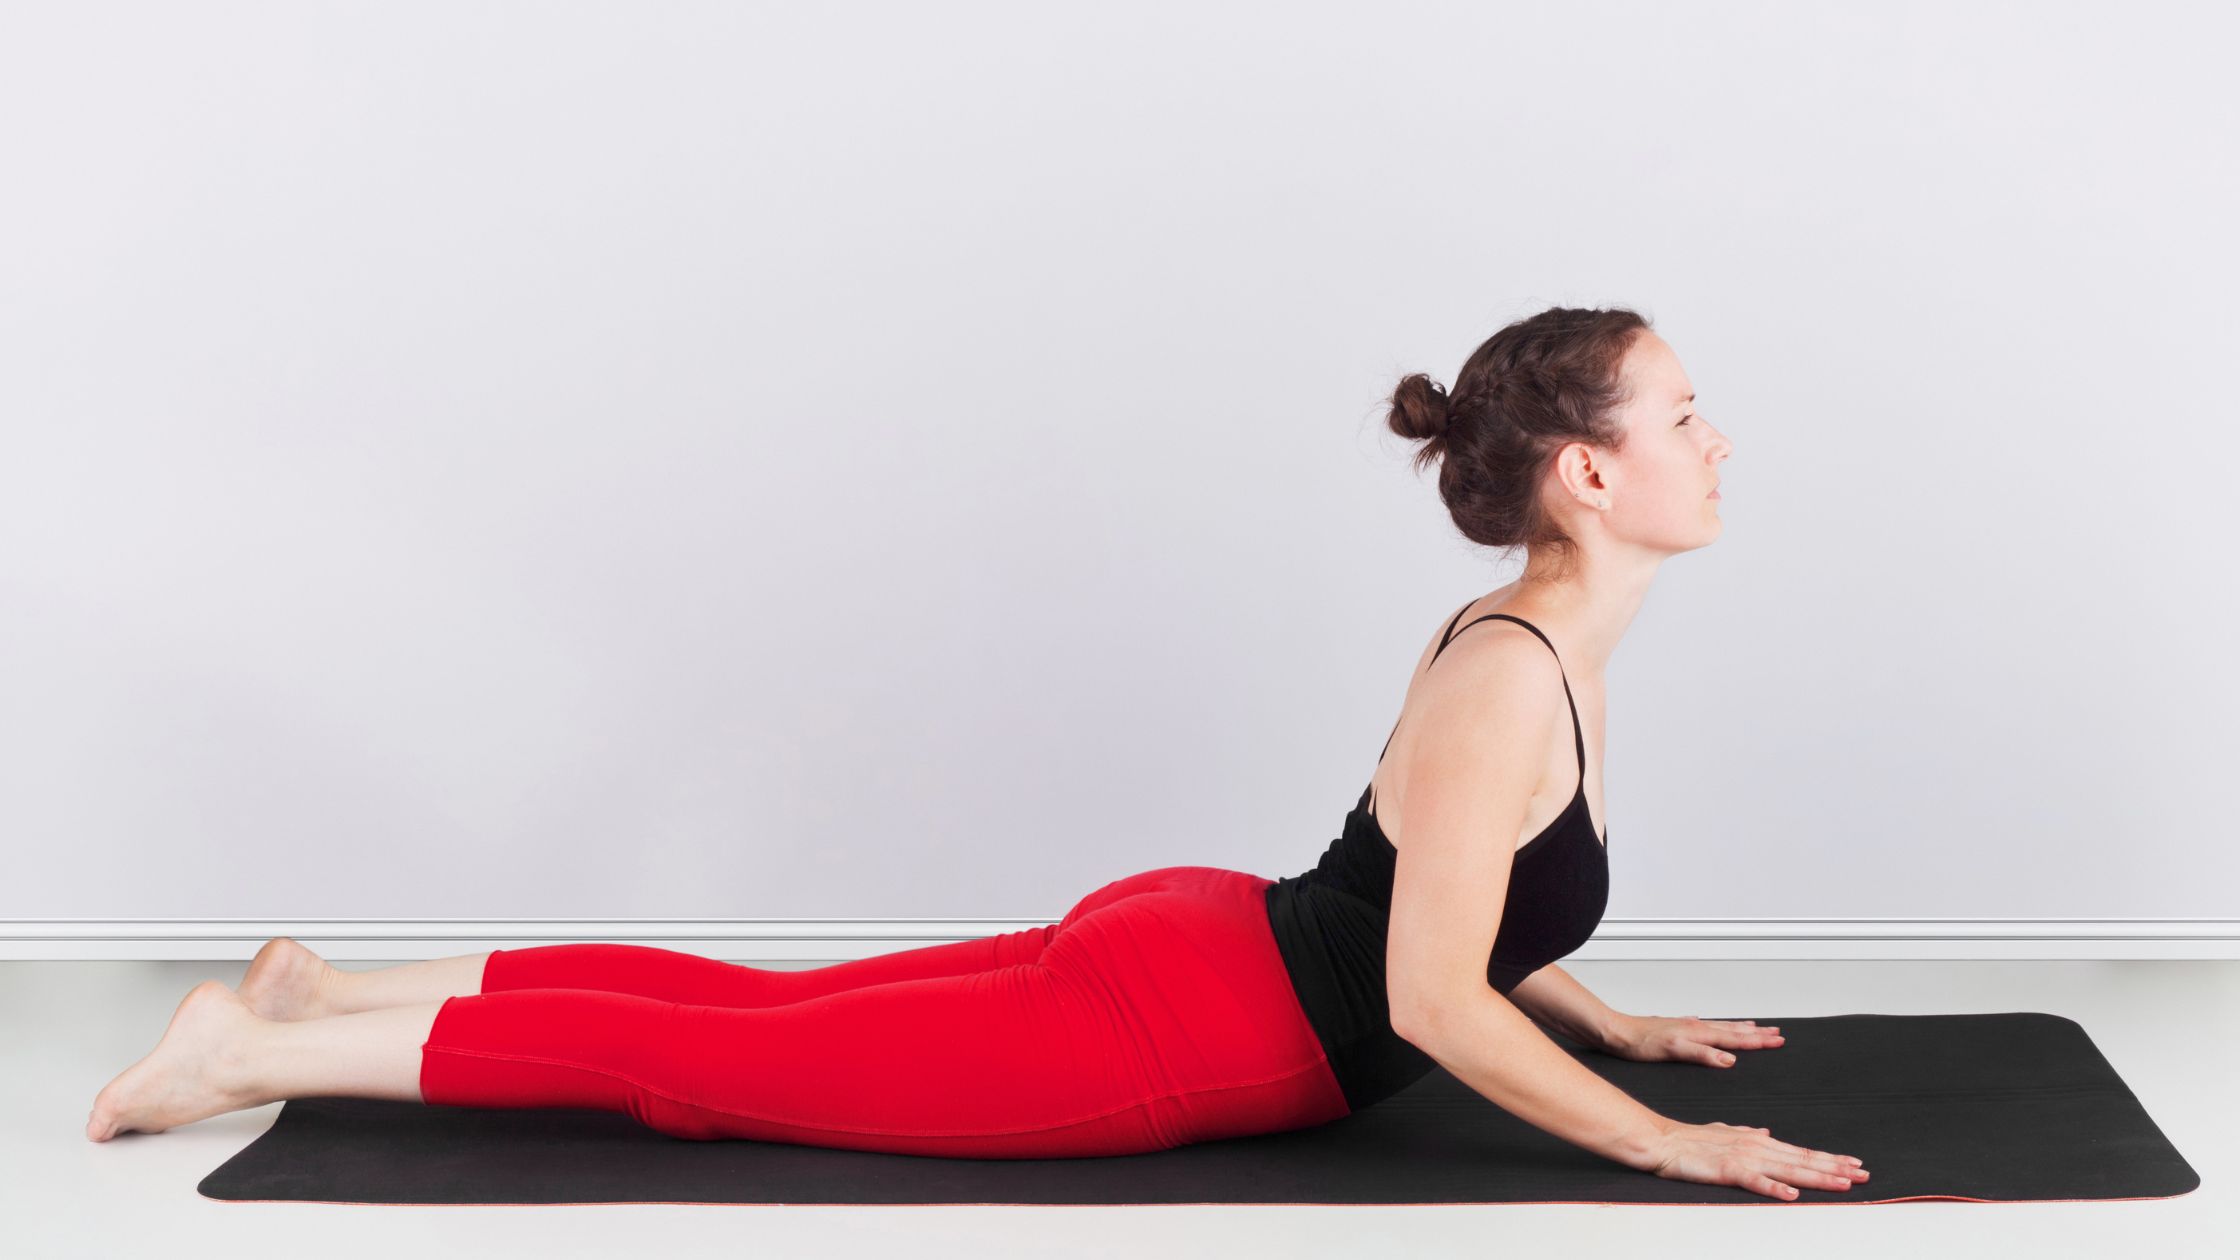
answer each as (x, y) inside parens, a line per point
(2171, 1028)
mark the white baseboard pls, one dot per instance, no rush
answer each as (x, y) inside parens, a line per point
(836, 940)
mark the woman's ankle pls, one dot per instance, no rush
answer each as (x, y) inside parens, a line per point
(331, 993)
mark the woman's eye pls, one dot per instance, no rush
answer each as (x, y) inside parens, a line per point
(1683, 420)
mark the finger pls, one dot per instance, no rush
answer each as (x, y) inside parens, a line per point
(1817, 1178)
(1735, 1035)
(1846, 1164)
(1768, 1186)
(1787, 1148)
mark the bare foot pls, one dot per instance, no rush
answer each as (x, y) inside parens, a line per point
(286, 981)
(196, 1071)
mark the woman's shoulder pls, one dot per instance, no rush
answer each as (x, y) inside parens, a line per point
(1488, 677)
(1483, 621)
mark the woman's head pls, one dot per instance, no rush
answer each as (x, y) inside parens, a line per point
(1569, 429)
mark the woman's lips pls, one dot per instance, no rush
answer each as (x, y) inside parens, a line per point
(1713, 495)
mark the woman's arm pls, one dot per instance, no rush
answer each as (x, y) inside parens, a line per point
(1551, 996)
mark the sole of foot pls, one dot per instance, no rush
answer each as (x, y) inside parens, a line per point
(193, 1073)
(286, 981)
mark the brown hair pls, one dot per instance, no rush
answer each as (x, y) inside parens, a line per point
(1531, 389)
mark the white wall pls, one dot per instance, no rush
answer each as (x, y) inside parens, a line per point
(713, 460)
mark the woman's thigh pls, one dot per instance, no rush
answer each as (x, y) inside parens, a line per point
(1013, 1063)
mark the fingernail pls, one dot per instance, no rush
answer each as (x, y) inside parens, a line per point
(1726, 1058)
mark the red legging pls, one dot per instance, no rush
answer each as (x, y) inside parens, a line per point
(1157, 1013)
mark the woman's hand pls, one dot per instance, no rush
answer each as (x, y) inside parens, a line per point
(1652, 1039)
(1728, 1155)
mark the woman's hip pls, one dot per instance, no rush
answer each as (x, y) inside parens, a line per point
(1185, 962)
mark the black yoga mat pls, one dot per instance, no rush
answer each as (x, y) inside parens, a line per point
(2006, 1107)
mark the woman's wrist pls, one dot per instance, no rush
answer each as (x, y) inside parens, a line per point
(1554, 998)
(1617, 1029)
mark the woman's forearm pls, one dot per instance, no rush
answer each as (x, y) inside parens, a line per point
(1553, 997)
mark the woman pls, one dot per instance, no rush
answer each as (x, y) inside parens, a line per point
(1183, 1004)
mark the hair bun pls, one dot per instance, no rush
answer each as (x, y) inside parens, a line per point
(1419, 408)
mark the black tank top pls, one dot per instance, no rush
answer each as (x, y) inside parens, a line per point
(1330, 922)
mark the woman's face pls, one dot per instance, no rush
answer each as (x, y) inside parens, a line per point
(1660, 485)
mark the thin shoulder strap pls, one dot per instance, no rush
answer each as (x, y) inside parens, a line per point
(1578, 735)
